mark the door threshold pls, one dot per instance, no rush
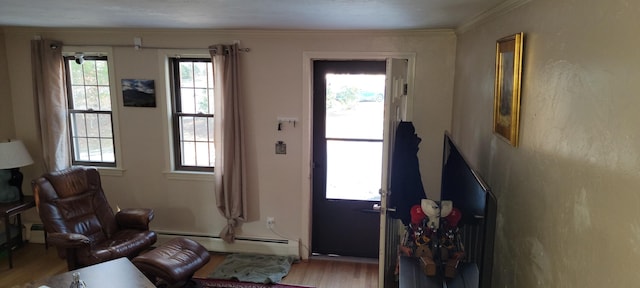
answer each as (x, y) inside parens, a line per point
(334, 257)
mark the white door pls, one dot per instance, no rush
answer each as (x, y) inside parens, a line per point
(395, 111)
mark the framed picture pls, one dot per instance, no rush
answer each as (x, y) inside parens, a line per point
(138, 93)
(506, 108)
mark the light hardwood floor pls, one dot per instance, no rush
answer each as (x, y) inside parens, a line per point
(33, 261)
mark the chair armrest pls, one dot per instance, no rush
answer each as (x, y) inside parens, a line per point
(134, 218)
(68, 240)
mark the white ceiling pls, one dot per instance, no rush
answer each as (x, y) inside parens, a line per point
(243, 14)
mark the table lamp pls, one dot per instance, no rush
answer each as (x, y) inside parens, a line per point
(13, 155)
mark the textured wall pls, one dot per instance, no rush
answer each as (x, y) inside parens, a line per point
(568, 195)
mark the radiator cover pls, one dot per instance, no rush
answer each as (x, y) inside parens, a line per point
(281, 247)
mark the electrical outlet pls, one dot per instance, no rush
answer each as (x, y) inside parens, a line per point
(271, 221)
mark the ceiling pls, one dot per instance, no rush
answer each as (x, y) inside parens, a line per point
(243, 14)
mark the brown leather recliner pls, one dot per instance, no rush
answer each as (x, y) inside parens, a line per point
(80, 223)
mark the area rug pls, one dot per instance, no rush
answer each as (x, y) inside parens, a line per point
(218, 283)
(255, 268)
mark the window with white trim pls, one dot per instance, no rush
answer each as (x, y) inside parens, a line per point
(90, 110)
(192, 114)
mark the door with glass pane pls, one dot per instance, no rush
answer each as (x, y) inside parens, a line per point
(348, 126)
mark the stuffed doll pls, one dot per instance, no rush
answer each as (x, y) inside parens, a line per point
(417, 215)
(446, 206)
(432, 210)
(452, 252)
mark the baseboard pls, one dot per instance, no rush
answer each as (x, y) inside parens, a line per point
(241, 244)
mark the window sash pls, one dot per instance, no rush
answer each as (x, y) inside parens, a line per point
(193, 150)
(85, 139)
(91, 130)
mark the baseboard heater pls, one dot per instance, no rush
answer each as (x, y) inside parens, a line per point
(241, 245)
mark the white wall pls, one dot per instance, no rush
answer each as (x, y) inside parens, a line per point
(272, 82)
(568, 195)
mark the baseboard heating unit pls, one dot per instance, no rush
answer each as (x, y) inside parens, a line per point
(282, 247)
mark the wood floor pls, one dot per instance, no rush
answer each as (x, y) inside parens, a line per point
(33, 261)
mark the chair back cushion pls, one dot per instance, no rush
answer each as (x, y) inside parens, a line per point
(72, 201)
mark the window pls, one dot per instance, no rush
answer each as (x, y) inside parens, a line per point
(90, 111)
(192, 114)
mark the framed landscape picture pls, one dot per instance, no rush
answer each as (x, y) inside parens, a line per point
(506, 110)
(138, 93)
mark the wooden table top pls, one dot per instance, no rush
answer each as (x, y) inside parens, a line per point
(119, 273)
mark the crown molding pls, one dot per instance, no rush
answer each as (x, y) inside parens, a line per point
(487, 15)
(222, 32)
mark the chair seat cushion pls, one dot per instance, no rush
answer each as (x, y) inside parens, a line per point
(174, 261)
(124, 243)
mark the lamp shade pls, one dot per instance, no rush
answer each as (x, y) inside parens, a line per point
(13, 154)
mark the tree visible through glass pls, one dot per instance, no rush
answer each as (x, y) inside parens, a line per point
(354, 132)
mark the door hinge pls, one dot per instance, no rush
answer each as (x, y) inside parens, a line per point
(405, 89)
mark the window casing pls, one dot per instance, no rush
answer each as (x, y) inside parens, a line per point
(90, 111)
(192, 114)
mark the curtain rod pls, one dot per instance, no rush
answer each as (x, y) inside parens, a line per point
(140, 47)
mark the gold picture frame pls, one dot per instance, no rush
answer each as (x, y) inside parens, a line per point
(506, 108)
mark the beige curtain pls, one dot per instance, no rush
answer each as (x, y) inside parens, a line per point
(51, 98)
(229, 139)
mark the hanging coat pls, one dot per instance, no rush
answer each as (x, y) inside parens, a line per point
(406, 183)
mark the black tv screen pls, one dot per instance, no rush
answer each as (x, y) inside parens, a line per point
(469, 193)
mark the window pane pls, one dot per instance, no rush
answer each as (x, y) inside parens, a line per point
(200, 74)
(93, 100)
(78, 128)
(90, 77)
(202, 101)
(186, 74)
(105, 125)
(105, 98)
(188, 154)
(187, 96)
(81, 149)
(94, 150)
(92, 125)
(79, 100)
(202, 154)
(187, 128)
(108, 154)
(201, 129)
(102, 72)
(75, 71)
(353, 170)
(210, 127)
(355, 106)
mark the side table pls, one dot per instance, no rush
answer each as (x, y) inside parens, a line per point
(8, 210)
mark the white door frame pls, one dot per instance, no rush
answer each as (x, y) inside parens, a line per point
(307, 120)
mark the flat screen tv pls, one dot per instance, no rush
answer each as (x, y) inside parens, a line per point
(469, 193)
